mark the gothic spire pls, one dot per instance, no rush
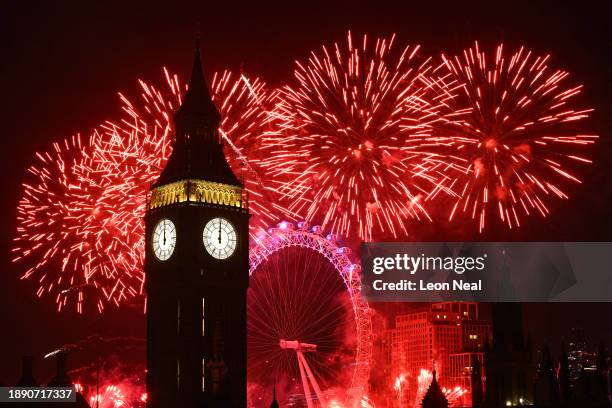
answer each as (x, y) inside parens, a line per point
(197, 101)
(434, 397)
(274, 403)
(197, 151)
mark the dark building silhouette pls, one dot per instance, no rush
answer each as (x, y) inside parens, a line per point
(577, 354)
(546, 390)
(591, 388)
(434, 397)
(26, 379)
(508, 366)
(62, 379)
(27, 373)
(476, 383)
(601, 388)
(565, 386)
(197, 266)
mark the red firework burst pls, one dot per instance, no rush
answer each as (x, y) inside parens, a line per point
(516, 140)
(68, 258)
(85, 208)
(354, 154)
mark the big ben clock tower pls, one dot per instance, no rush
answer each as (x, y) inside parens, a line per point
(197, 266)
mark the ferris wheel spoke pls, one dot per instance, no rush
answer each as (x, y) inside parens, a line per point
(299, 294)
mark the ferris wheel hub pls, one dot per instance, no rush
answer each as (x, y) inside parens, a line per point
(297, 345)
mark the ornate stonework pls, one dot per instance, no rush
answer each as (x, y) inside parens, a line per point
(196, 191)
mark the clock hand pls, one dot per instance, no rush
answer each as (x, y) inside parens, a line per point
(219, 232)
(164, 236)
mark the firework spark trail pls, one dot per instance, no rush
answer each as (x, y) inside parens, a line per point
(354, 152)
(83, 210)
(112, 397)
(518, 142)
(423, 381)
(453, 394)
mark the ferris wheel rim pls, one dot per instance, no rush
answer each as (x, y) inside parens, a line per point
(288, 235)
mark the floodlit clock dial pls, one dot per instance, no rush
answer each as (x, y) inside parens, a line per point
(219, 238)
(164, 239)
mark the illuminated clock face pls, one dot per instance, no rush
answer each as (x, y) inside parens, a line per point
(164, 239)
(219, 238)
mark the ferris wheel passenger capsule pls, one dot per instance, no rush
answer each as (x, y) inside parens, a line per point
(285, 225)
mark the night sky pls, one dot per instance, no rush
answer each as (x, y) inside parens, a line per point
(62, 67)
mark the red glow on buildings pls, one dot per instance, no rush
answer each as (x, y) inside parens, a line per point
(444, 336)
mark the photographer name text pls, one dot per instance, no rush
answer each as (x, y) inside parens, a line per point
(411, 285)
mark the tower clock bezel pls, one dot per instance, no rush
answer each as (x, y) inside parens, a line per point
(161, 254)
(227, 233)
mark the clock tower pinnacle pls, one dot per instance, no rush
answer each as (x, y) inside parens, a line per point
(197, 151)
(196, 266)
